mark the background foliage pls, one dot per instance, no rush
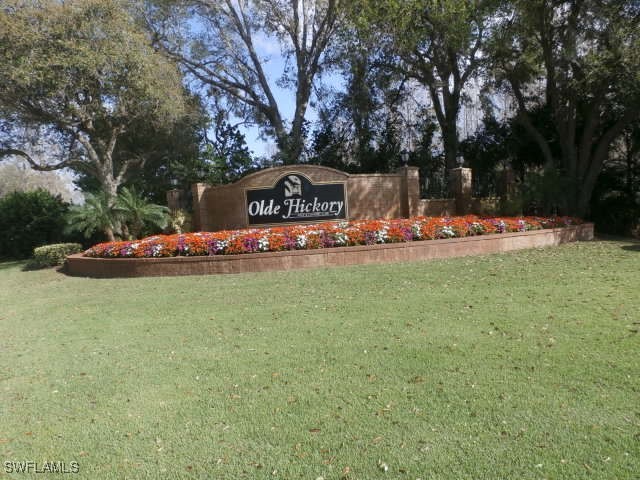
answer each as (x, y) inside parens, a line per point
(30, 219)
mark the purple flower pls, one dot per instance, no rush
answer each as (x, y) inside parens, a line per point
(500, 226)
(369, 238)
(327, 240)
(250, 244)
(214, 247)
(180, 246)
(522, 225)
(290, 242)
(124, 251)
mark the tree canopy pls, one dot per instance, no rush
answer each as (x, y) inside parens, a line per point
(218, 44)
(580, 59)
(439, 43)
(80, 73)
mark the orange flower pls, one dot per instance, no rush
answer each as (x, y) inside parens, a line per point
(323, 235)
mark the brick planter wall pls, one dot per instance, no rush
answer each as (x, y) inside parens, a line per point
(78, 265)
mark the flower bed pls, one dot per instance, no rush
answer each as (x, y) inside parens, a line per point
(323, 235)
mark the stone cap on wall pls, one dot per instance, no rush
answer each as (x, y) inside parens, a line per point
(270, 176)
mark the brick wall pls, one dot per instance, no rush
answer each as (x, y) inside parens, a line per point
(375, 196)
(368, 195)
(392, 195)
(441, 207)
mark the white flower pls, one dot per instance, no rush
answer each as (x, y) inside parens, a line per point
(477, 227)
(381, 235)
(263, 244)
(220, 245)
(415, 228)
(341, 238)
(447, 231)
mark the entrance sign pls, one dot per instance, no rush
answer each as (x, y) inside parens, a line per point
(295, 199)
(292, 194)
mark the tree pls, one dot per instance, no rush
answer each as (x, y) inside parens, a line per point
(583, 57)
(329, 147)
(615, 203)
(173, 154)
(126, 218)
(431, 168)
(363, 109)
(221, 50)
(360, 126)
(81, 73)
(438, 43)
(226, 157)
(97, 214)
(137, 213)
(195, 148)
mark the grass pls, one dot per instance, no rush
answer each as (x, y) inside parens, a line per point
(515, 366)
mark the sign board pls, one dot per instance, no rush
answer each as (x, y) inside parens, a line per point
(295, 199)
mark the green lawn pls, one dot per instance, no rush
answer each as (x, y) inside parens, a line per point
(515, 366)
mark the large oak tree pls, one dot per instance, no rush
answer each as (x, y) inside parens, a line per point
(78, 74)
(439, 43)
(218, 43)
(580, 58)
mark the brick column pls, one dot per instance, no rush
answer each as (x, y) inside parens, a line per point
(174, 199)
(197, 190)
(409, 191)
(460, 186)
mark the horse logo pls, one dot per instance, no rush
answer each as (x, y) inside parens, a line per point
(292, 186)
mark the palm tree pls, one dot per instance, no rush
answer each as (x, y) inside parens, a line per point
(95, 215)
(137, 213)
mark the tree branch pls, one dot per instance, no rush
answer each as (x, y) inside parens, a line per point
(10, 152)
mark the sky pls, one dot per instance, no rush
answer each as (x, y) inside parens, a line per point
(269, 48)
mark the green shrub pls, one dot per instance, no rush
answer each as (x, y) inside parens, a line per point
(28, 220)
(52, 255)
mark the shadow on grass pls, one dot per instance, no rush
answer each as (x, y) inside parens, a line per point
(26, 265)
(6, 264)
(609, 237)
(633, 245)
(30, 266)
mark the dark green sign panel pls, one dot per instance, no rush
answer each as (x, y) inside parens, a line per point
(295, 199)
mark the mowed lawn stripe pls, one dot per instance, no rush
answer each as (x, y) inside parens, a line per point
(523, 365)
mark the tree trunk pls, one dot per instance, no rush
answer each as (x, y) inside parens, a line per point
(110, 236)
(450, 141)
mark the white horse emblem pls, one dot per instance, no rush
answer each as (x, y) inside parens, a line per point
(292, 186)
